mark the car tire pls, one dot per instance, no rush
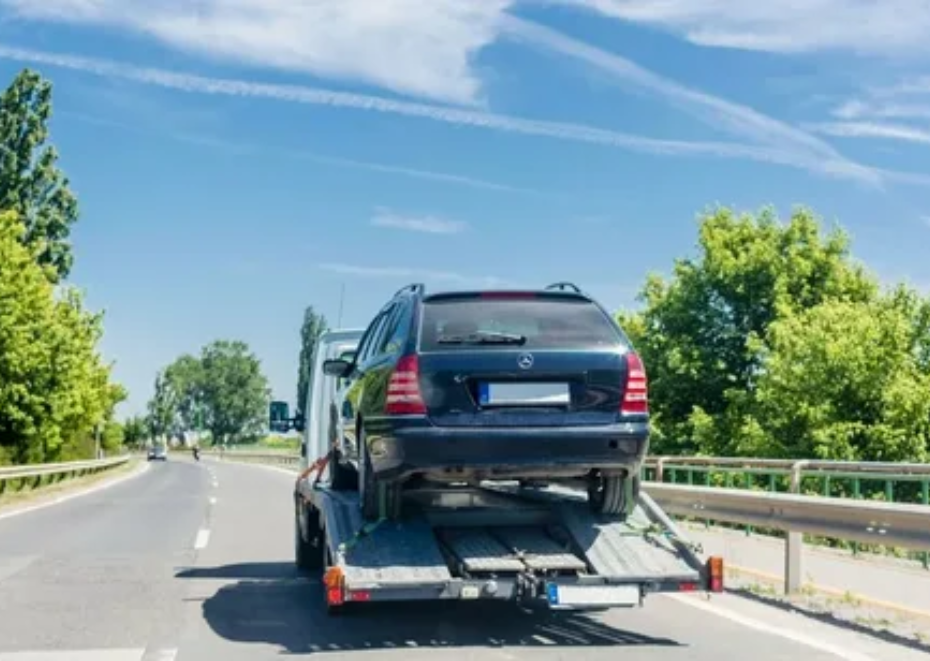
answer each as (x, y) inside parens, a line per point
(308, 553)
(369, 489)
(615, 495)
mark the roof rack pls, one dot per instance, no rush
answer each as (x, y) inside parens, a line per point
(416, 288)
(563, 286)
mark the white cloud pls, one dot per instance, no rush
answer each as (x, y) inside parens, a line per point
(800, 148)
(425, 224)
(412, 274)
(874, 130)
(409, 46)
(874, 27)
(774, 153)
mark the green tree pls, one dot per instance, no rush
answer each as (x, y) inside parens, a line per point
(31, 184)
(54, 387)
(134, 431)
(702, 333)
(235, 392)
(184, 377)
(841, 381)
(313, 326)
(162, 408)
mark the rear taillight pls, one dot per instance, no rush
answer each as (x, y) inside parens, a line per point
(636, 393)
(403, 391)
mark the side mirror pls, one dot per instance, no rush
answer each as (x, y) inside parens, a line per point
(299, 422)
(338, 367)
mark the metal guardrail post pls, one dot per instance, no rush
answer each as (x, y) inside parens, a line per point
(794, 541)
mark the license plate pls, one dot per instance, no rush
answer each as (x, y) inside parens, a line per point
(593, 595)
(503, 394)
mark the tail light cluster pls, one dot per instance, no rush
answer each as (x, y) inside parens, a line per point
(635, 392)
(403, 391)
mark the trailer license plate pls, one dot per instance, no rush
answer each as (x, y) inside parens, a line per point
(526, 393)
(593, 595)
(470, 592)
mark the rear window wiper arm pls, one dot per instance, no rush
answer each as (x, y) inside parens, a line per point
(482, 337)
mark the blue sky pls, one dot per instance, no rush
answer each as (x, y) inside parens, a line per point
(237, 160)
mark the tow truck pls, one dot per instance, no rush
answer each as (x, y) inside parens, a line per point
(538, 546)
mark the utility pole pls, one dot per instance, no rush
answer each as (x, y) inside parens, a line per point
(97, 441)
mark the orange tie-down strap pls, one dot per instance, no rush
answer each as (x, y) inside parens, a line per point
(318, 465)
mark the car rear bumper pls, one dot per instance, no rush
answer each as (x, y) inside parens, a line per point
(408, 450)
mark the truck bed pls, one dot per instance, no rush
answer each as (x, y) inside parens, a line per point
(473, 543)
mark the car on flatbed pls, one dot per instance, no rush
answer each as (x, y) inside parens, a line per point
(541, 387)
(474, 542)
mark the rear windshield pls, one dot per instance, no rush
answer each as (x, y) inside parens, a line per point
(507, 323)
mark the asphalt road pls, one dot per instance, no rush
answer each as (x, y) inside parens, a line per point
(193, 561)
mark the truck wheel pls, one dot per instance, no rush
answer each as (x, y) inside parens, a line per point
(613, 494)
(308, 553)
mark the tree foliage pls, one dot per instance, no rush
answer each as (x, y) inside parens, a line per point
(31, 184)
(134, 431)
(54, 387)
(313, 326)
(772, 341)
(222, 391)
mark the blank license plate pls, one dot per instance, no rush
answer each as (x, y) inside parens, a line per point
(593, 595)
(502, 394)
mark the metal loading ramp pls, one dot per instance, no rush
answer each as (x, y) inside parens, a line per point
(508, 549)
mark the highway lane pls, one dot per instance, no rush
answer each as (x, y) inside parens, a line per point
(194, 562)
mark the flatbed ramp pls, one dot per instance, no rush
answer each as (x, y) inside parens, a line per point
(481, 549)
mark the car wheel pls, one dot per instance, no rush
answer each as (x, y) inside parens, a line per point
(368, 492)
(371, 492)
(613, 494)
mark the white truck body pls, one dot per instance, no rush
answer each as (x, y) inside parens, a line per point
(321, 392)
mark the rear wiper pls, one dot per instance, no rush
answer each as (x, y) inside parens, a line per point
(482, 337)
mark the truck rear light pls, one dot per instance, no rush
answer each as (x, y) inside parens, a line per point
(635, 392)
(334, 581)
(715, 574)
(358, 595)
(687, 587)
(403, 391)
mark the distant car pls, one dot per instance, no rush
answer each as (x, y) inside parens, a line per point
(159, 453)
(536, 386)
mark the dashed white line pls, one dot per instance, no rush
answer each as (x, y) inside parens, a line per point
(212, 500)
(160, 655)
(203, 538)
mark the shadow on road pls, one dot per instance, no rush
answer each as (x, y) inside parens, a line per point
(272, 603)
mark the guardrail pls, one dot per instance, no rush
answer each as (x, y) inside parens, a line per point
(867, 521)
(36, 472)
(274, 457)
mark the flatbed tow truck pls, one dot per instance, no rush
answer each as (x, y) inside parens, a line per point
(541, 547)
(496, 541)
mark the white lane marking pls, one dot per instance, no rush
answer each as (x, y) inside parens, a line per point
(212, 500)
(75, 655)
(160, 655)
(203, 538)
(71, 496)
(788, 634)
(215, 484)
